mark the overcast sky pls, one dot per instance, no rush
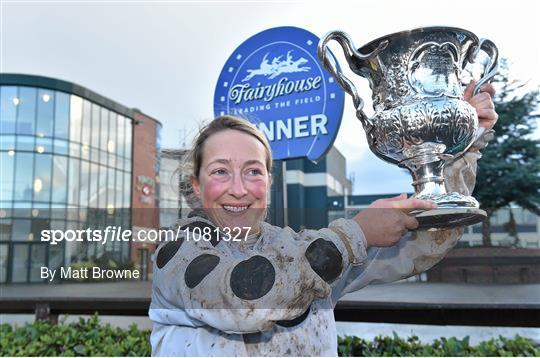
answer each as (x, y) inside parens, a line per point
(164, 57)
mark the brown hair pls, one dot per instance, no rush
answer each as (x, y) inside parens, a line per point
(222, 123)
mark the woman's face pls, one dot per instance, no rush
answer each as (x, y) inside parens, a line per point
(233, 180)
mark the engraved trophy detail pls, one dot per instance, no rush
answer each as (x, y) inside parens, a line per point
(421, 120)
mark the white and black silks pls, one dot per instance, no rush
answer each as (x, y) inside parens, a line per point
(273, 295)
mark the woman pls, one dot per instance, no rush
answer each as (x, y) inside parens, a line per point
(273, 292)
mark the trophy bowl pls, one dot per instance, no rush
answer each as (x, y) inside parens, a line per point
(421, 120)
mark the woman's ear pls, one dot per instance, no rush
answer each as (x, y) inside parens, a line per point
(195, 185)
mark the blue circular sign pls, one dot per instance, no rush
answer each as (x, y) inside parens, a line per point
(275, 80)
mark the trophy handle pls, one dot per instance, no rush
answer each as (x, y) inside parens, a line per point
(491, 69)
(351, 54)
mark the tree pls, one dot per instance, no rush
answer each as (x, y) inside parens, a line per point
(508, 172)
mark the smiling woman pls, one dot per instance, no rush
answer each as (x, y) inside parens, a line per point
(273, 292)
(233, 177)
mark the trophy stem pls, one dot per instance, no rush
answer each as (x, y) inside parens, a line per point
(429, 185)
(429, 180)
(453, 209)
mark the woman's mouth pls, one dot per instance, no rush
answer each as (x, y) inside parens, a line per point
(235, 208)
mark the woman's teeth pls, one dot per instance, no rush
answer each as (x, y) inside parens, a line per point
(235, 209)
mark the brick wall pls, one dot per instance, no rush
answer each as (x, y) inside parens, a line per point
(145, 213)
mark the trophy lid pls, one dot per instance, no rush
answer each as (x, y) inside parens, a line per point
(372, 45)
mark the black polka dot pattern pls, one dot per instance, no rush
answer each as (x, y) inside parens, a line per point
(252, 338)
(199, 268)
(325, 259)
(214, 235)
(295, 321)
(167, 252)
(253, 278)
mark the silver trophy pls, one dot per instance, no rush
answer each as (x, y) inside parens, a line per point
(421, 120)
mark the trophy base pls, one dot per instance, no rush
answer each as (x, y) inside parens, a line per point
(441, 219)
(450, 200)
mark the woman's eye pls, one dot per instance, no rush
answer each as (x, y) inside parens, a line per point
(220, 172)
(254, 172)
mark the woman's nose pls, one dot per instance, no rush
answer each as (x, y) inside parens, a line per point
(237, 188)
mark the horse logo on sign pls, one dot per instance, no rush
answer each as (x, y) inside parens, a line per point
(277, 67)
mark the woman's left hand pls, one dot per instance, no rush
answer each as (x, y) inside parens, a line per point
(483, 103)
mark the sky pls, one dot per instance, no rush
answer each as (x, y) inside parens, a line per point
(164, 57)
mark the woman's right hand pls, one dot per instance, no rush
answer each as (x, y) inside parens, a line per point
(385, 221)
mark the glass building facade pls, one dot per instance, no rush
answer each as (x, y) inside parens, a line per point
(65, 163)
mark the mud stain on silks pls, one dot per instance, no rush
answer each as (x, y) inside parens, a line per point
(440, 242)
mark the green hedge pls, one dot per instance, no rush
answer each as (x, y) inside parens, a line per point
(446, 347)
(88, 337)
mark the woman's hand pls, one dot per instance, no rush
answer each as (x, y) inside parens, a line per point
(483, 103)
(385, 221)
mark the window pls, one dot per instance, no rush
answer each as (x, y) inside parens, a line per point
(37, 260)
(95, 132)
(7, 142)
(84, 188)
(73, 184)
(110, 188)
(120, 138)
(42, 178)
(26, 119)
(21, 229)
(111, 143)
(61, 147)
(94, 184)
(61, 115)
(75, 120)
(127, 153)
(6, 177)
(8, 109)
(86, 129)
(45, 113)
(127, 190)
(43, 145)
(25, 143)
(56, 256)
(104, 136)
(20, 263)
(119, 184)
(59, 179)
(3, 262)
(5, 228)
(24, 173)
